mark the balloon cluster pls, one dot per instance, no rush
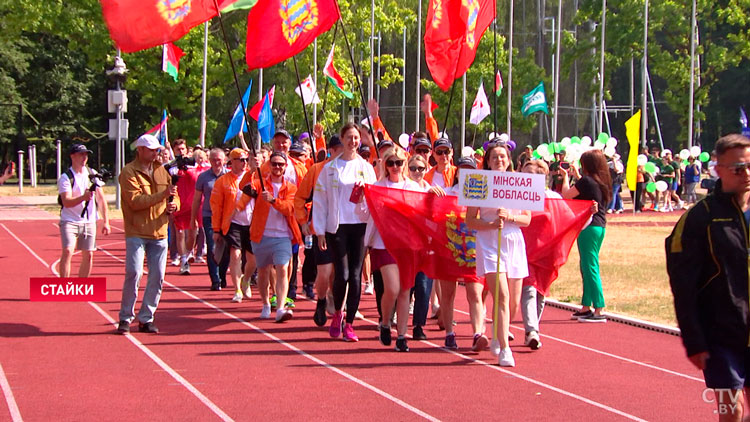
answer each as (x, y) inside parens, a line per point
(575, 146)
(652, 169)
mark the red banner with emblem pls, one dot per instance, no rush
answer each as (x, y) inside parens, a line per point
(452, 34)
(279, 29)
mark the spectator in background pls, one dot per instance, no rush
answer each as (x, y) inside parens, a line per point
(692, 178)
(617, 173)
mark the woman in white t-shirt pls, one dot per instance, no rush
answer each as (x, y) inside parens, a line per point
(513, 266)
(338, 191)
(392, 172)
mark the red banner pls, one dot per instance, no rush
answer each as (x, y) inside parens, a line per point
(140, 24)
(279, 29)
(71, 289)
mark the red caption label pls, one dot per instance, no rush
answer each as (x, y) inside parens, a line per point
(70, 289)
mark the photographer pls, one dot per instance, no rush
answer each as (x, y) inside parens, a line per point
(80, 196)
(183, 168)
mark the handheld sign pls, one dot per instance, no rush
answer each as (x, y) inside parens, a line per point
(493, 189)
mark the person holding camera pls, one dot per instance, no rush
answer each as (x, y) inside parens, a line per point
(80, 196)
(184, 171)
(148, 197)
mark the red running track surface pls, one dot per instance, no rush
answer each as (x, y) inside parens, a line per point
(216, 360)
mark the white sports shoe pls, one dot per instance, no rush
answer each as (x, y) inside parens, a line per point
(265, 313)
(506, 358)
(532, 340)
(369, 288)
(237, 297)
(283, 315)
(185, 268)
(495, 347)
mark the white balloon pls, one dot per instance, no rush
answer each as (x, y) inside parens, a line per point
(467, 152)
(504, 137)
(642, 160)
(684, 154)
(609, 152)
(661, 186)
(492, 136)
(586, 141)
(695, 151)
(611, 142)
(403, 140)
(443, 135)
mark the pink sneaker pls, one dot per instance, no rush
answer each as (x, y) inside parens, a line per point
(335, 329)
(349, 333)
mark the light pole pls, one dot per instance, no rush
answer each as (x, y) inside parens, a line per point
(117, 102)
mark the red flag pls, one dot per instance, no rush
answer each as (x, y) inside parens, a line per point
(136, 24)
(279, 29)
(550, 237)
(255, 111)
(454, 28)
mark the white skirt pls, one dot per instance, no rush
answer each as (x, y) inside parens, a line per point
(512, 252)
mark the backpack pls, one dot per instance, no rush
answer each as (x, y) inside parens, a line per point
(72, 179)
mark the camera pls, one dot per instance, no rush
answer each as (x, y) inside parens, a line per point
(102, 175)
(565, 165)
(181, 162)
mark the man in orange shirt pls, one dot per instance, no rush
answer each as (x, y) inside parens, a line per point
(443, 173)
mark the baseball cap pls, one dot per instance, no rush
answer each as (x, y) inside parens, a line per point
(298, 148)
(422, 142)
(467, 162)
(665, 152)
(442, 142)
(237, 153)
(283, 133)
(303, 135)
(148, 141)
(76, 148)
(364, 148)
(383, 144)
(334, 141)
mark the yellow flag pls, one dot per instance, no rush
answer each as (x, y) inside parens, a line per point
(633, 132)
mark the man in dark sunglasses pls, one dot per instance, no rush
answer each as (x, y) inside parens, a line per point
(443, 173)
(707, 262)
(421, 145)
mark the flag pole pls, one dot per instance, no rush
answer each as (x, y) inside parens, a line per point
(453, 85)
(315, 80)
(359, 84)
(325, 89)
(510, 66)
(496, 298)
(419, 60)
(203, 92)
(644, 89)
(304, 109)
(463, 111)
(601, 68)
(691, 100)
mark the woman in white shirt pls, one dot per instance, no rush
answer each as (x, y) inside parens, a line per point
(338, 191)
(512, 253)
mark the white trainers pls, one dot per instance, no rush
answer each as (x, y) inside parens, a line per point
(532, 340)
(506, 358)
(265, 313)
(237, 297)
(245, 287)
(283, 315)
(369, 288)
(175, 262)
(190, 258)
(495, 347)
(358, 315)
(185, 268)
(200, 260)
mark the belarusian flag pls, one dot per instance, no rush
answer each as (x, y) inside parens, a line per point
(498, 84)
(170, 59)
(239, 5)
(333, 76)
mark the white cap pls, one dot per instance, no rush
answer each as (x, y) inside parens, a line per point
(148, 141)
(665, 152)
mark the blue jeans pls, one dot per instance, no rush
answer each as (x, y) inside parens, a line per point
(155, 251)
(217, 272)
(422, 289)
(616, 203)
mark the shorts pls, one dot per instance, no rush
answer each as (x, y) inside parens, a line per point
(727, 367)
(380, 258)
(182, 221)
(512, 253)
(272, 251)
(82, 235)
(238, 237)
(321, 257)
(674, 186)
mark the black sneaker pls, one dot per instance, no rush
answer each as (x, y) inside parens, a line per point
(319, 317)
(216, 287)
(309, 292)
(593, 318)
(579, 314)
(401, 345)
(385, 335)
(419, 333)
(223, 284)
(450, 342)
(148, 327)
(123, 327)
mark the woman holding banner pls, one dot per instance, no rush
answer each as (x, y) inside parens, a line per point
(504, 269)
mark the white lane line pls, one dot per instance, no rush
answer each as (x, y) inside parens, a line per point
(185, 383)
(601, 352)
(289, 346)
(15, 414)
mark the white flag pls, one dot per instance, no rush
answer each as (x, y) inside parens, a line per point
(481, 108)
(307, 91)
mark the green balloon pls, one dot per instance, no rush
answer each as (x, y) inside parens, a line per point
(650, 168)
(650, 187)
(575, 140)
(603, 138)
(558, 147)
(704, 157)
(536, 155)
(551, 148)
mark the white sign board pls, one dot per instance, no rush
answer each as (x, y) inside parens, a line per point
(494, 189)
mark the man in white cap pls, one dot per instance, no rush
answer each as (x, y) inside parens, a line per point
(148, 196)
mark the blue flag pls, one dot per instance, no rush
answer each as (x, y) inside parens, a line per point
(238, 119)
(266, 125)
(743, 122)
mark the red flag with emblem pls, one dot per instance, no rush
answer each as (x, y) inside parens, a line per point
(451, 38)
(139, 24)
(279, 29)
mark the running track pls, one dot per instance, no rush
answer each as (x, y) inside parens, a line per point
(216, 360)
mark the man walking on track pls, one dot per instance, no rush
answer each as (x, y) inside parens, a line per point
(707, 261)
(147, 199)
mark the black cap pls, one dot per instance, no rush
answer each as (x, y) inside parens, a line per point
(364, 148)
(76, 148)
(442, 142)
(283, 133)
(297, 147)
(334, 141)
(383, 144)
(466, 161)
(422, 142)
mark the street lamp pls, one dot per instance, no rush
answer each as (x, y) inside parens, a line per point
(117, 102)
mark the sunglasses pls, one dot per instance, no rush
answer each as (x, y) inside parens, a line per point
(277, 164)
(419, 169)
(423, 151)
(738, 168)
(442, 152)
(497, 143)
(396, 163)
(244, 160)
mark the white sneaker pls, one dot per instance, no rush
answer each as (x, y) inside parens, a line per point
(190, 258)
(283, 315)
(265, 313)
(681, 205)
(369, 288)
(185, 268)
(175, 262)
(358, 315)
(495, 347)
(506, 358)
(532, 340)
(200, 260)
(245, 287)
(237, 297)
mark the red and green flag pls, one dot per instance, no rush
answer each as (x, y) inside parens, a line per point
(498, 84)
(333, 76)
(239, 5)
(170, 59)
